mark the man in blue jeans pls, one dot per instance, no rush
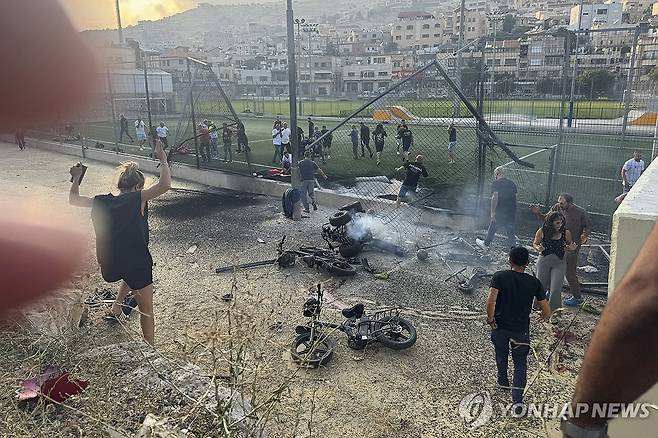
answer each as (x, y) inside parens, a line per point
(511, 293)
(503, 209)
(307, 169)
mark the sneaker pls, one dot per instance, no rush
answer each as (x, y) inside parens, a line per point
(379, 162)
(572, 302)
(315, 207)
(141, 148)
(481, 244)
(306, 210)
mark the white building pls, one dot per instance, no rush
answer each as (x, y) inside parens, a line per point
(596, 15)
(417, 30)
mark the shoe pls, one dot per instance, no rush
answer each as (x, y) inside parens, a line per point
(572, 302)
(315, 207)
(141, 148)
(398, 152)
(306, 210)
(379, 162)
(519, 409)
(481, 244)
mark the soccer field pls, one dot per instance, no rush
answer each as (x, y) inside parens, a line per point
(588, 167)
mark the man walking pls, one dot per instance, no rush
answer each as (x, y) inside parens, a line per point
(354, 136)
(579, 225)
(276, 142)
(227, 137)
(631, 170)
(285, 138)
(365, 140)
(214, 137)
(163, 132)
(398, 140)
(140, 130)
(204, 139)
(123, 126)
(407, 138)
(452, 142)
(307, 169)
(414, 172)
(243, 142)
(318, 146)
(511, 294)
(503, 209)
(311, 127)
(326, 142)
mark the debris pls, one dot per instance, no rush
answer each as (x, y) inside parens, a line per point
(227, 297)
(589, 269)
(468, 258)
(366, 265)
(383, 275)
(191, 249)
(422, 254)
(54, 384)
(591, 309)
(278, 326)
(259, 240)
(154, 426)
(567, 336)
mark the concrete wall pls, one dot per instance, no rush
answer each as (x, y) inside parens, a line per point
(631, 224)
(242, 183)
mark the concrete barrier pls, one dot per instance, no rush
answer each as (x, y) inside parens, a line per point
(248, 184)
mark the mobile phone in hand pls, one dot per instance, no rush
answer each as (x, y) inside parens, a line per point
(82, 175)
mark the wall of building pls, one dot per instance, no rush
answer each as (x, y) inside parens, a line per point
(631, 224)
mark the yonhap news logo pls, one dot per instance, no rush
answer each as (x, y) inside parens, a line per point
(476, 409)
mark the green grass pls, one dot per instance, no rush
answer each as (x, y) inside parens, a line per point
(586, 165)
(591, 109)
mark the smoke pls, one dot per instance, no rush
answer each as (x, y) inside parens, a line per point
(362, 224)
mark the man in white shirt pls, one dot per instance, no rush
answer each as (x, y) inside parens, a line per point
(285, 138)
(163, 132)
(140, 130)
(276, 141)
(631, 171)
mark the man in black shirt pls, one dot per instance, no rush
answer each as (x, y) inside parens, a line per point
(311, 127)
(414, 171)
(503, 209)
(365, 140)
(407, 139)
(511, 294)
(452, 142)
(123, 124)
(243, 142)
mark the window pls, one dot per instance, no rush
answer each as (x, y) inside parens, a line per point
(409, 37)
(180, 62)
(398, 37)
(425, 35)
(535, 49)
(437, 25)
(249, 79)
(351, 74)
(398, 27)
(535, 62)
(425, 46)
(410, 27)
(437, 35)
(601, 12)
(263, 79)
(382, 73)
(510, 61)
(426, 26)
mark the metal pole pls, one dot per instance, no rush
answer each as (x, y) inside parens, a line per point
(493, 57)
(481, 145)
(148, 105)
(553, 176)
(458, 74)
(310, 74)
(196, 140)
(629, 82)
(114, 113)
(292, 92)
(119, 22)
(575, 65)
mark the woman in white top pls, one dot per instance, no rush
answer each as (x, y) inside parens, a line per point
(277, 135)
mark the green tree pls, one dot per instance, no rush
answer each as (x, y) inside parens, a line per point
(548, 86)
(600, 82)
(508, 23)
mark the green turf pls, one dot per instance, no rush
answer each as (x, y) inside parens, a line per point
(586, 163)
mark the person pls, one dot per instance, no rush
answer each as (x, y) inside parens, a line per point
(276, 141)
(354, 137)
(123, 126)
(204, 140)
(311, 127)
(326, 142)
(286, 163)
(511, 293)
(227, 139)
(20, 139)
(243, 141)
(379, 134)
(140, 131)
(163, 132)
(621, 360)
(398, 139)
(214, 136)
(407, 139)
(365, 140)
(285, 138)
(579, 225)
(300, 136)
(122, 234)
(307, 169)
(551, 241)
(503, 209)
(452, 142)
(414, 171)
(318, 149)
(631, 171)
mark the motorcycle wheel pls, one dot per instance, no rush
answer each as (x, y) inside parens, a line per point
(340, 268)
(395, 333)
(340, 218)
(312, 352)
(349, 249)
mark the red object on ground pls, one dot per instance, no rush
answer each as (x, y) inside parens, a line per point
(53, 383)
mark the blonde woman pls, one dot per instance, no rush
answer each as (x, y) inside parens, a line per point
(122, 234)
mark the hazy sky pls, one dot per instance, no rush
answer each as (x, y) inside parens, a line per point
(99, 14)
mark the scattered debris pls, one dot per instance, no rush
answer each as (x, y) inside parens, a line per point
(227, 297)
(191, 249)
(591, 309)
(383, 275)
(589, 269)
(422, 254)
(54, 384)
(259, 240)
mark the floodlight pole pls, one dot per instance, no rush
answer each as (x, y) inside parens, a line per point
(148, 102)
(292, 93)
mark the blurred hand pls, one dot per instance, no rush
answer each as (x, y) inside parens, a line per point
(583, 239)
(76, 171)
(540, 248)
(159, 152)
(535, 209)
(572, 246)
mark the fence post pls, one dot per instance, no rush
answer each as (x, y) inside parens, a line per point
(114, 115)
(148, 106)
(629, 82)
(196, 140)
(552, 188)
(551, 176)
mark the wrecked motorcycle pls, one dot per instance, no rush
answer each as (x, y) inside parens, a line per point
(312, 347)
(337, 232)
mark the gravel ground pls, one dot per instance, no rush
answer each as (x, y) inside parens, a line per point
(380, 392)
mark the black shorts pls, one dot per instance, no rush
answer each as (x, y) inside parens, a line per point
(406, 147)
(379, 147)
(136, 280)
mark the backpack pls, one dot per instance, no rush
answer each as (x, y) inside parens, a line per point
(288, 199)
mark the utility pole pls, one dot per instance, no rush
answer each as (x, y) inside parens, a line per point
(299, 22)
(119, 22)
(460, 44)
(148, 101)
(292, 93)
(575, 66)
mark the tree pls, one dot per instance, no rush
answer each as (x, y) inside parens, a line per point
(508, 23)
(600, 82)
(331, 49)
(504, 83)
(470, 75)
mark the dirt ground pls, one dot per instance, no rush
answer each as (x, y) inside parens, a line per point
(377, 392)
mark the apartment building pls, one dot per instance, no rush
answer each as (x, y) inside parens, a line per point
(367, 74)
(417, 30)
(596, 15)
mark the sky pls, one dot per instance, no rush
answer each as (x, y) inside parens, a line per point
(100, 14)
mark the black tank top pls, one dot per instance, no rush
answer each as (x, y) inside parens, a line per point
(552, 246)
